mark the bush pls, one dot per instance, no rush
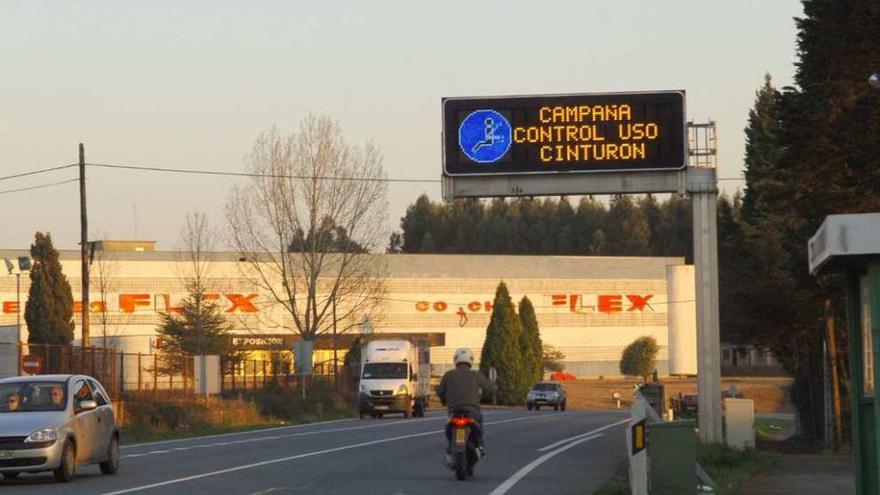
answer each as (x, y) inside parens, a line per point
(638, 358)
(165, 415)
(287, 404)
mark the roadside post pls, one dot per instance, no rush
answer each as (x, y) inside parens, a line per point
(493, 377)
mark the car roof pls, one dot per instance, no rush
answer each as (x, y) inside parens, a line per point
(40, 378)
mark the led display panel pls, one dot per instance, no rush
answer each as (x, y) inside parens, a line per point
(564, 133)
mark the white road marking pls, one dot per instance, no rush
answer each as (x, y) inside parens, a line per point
(309, 454)
(582, 435)
(508, 484)
(278, 437)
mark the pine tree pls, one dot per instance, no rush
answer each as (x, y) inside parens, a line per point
(530, 344)
(763, 150)
(501, 349)
(627, 228)
(822, 159)
(49, 308)
(197, 327)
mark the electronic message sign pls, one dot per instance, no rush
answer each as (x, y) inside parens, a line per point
(564, 133)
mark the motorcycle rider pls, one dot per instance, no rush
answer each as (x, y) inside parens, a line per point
(461, 388)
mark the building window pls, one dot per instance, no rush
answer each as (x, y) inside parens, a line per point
(867, 343)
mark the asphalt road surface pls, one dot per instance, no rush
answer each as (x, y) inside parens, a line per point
(529, 452)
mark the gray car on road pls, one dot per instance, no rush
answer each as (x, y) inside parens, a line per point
(56, 423)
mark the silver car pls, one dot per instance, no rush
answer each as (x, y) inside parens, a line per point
(56, 423)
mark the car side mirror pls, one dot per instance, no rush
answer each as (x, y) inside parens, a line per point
(87, 405)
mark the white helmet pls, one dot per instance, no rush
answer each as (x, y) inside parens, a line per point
(464, 355)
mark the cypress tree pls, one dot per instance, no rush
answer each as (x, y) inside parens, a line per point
(531, 347)
(49, 308)
(501, 349)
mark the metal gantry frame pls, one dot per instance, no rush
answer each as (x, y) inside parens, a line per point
(698, 180)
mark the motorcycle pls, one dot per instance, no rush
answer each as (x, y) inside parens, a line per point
(461, 451)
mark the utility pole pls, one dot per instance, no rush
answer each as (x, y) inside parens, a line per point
(84, 245)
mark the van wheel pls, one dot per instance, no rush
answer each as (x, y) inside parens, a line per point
(111, 465)
(67, 469)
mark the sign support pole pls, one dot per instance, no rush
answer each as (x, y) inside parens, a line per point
(704, 195)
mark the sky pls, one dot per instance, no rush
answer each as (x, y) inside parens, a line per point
(191, 84)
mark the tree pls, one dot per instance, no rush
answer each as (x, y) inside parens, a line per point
(49, 308)
(763, 149)
(552, 358)
(395, 243)
(302, 183)
(639, 357)
(627, 228)
(104, 268)
(197, 326)
(812, 151)
(530, 343)
(501, 349)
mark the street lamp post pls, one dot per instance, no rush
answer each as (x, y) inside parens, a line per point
(23, 264)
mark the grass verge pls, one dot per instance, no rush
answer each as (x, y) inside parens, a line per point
(727, 467)
(143, 434)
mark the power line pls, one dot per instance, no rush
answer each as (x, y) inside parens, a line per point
(35, 172)
(41, 186)
(250, 174)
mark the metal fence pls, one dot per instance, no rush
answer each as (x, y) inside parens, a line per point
(124, 374)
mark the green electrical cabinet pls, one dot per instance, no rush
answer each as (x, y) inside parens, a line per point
(672, 456)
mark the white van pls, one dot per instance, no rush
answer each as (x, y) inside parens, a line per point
(395, 378)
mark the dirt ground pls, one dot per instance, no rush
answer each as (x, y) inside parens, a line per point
(769, 393)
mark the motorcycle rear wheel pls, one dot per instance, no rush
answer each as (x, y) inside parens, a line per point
(461, 466)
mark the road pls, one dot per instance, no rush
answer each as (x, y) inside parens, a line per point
(528, 452)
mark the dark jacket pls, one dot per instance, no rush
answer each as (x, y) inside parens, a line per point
(463, 386)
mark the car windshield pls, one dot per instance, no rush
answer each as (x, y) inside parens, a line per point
(545, 387)
(384, 370)
(24, 396)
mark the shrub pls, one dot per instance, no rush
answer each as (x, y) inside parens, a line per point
(638, 358)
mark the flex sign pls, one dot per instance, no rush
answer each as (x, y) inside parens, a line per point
(159, 303)
(575, 303)
(564, 133)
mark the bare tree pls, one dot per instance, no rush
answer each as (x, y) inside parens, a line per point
(306, 223)
(196, 253)
(197, 326)
(104, 269)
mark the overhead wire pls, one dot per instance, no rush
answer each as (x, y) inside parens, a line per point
(41, 186)
(35, 172)
(252, 174)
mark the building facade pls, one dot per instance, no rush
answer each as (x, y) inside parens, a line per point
(589, 308)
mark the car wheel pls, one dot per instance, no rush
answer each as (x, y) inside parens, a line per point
(537, 407)
(67, 469)
(529, 407)
(111, 465)
(10, 476)
(563, 405)
(556, 406)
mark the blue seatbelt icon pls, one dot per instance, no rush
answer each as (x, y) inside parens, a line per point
(490, 137)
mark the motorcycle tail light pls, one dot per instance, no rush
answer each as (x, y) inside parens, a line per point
(461, 421)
